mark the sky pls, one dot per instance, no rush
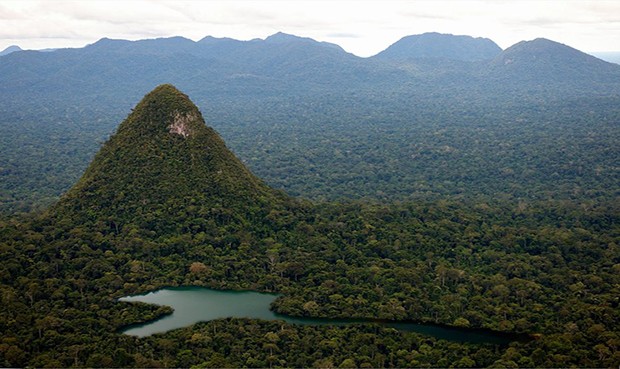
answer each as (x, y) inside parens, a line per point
(361, 27)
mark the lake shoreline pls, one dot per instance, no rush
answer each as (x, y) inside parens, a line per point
(407, 325)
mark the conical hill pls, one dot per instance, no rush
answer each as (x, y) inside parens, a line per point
(162, 164)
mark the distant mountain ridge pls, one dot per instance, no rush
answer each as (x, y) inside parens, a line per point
(277, 65)
(544, 50)
(111, 72)
(548, 61)
(441, 46)
(10, 49)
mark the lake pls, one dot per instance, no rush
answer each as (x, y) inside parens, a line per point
(196, 304)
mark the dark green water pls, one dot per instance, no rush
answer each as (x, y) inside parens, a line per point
(196, 304)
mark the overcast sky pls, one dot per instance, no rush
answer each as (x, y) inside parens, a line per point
(361, 27)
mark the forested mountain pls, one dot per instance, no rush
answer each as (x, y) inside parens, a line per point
(162, 160)
(440, 46)
(165, 203)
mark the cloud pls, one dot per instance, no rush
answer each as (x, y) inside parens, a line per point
(8, 13)
(109, 12)
(361, 27)
(343, 35)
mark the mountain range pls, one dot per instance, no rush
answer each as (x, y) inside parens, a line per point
(277, 100)
(113, 71)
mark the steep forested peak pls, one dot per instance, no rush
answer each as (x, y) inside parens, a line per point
(10, 49)
(162, 158)
(165, 109)
(441, 46)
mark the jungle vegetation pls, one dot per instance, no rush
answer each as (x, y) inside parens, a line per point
(472, 193)
(549, 268)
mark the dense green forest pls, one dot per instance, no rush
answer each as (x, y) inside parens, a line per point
(551, 271)
(392, 150)
(353, 147)
(165, 203)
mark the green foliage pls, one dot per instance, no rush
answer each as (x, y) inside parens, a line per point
(350, 147)
(551, 270)
(384, 150)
